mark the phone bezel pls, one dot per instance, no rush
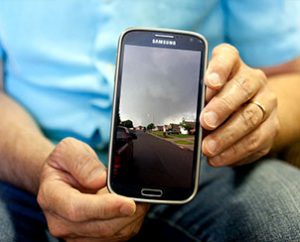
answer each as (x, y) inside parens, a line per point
(173, 194)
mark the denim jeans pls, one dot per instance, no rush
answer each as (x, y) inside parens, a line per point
(257, 202)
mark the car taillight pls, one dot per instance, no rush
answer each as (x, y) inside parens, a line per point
(117, 165)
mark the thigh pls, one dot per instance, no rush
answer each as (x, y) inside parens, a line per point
(257, 202)
(20, 216)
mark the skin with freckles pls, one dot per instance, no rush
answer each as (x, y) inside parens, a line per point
(240, 132)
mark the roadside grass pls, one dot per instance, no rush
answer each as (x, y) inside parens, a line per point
(161, 134)
(183, 142)
(172, 136)
(183, 135)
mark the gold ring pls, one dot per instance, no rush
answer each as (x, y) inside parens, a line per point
(261, 107)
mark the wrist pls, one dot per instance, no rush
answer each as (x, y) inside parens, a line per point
(43, 151)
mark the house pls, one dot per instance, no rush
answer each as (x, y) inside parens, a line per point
(160, 127)
(173, 129)
(183, 130)
(191, 125)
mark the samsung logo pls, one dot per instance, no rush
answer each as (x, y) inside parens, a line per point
(163, 42)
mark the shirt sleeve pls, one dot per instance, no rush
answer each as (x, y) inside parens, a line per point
(265, 34)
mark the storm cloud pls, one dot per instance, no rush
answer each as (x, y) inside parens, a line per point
(159, 85)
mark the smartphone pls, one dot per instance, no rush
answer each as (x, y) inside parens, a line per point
(155, 145)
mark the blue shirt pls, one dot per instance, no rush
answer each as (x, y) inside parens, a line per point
(59, 55)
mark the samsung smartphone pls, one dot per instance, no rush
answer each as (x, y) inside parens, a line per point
(155, 142)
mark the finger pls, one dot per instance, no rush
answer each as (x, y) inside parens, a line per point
(110, 228)
(238, 90)
(119, 227)
(124, 234)
(78, 159)
(239, 125)
(266, 101)
(209, 94)
(225, 61)
(94, 229)
(59, 198)
(258, 142)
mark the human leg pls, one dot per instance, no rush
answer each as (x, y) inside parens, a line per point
(21, 219)
(257, 202)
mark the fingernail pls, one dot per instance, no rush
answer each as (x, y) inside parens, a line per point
(210, 118)
(213, 79)
(127, 210)
(211, 146)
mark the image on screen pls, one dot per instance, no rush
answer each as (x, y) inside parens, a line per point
(156, 119)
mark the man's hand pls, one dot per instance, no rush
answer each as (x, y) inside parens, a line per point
(241, 112)
(75, 200)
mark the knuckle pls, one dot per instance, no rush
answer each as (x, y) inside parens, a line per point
(261, 75)
(228, 137)
(41, 199)
(135, 231)
(264, 152)
(63, 146)
(252, 143)
(276, 126)
(86, 166)
(73, 212)
(66, 142)
(244, 84)
(56, 229)
(126, 233)
(226, 47)
(216, 50)
(250, 117)
(232, 152)
(226, 103)
(273, 99)
(274, 130)
(83, 164)
(105, 230)
(76, 145)
(234, 52)
(44, 197)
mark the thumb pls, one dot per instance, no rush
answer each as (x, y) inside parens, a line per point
(79, 160)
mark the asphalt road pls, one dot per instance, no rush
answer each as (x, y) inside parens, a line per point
(157, 161)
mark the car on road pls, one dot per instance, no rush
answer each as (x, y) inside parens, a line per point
(124, 146)
(169, 132)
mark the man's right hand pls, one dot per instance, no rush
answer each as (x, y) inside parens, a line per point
(76, 202)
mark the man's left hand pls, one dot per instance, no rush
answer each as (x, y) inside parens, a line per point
(241, 112)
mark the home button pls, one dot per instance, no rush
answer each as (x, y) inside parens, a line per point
(147, 192)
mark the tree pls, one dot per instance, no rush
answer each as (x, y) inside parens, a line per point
(188, 127)
(127, 123)
(150, 126)
(118, 119)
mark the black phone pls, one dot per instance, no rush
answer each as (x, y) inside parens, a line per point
(155, 145)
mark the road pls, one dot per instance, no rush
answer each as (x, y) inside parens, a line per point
(157, 161)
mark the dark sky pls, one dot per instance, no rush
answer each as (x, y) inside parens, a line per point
(159, 85)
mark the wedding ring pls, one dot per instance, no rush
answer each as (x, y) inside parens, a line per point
(261, 107)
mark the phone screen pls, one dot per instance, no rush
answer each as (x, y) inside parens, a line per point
(156, 120)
